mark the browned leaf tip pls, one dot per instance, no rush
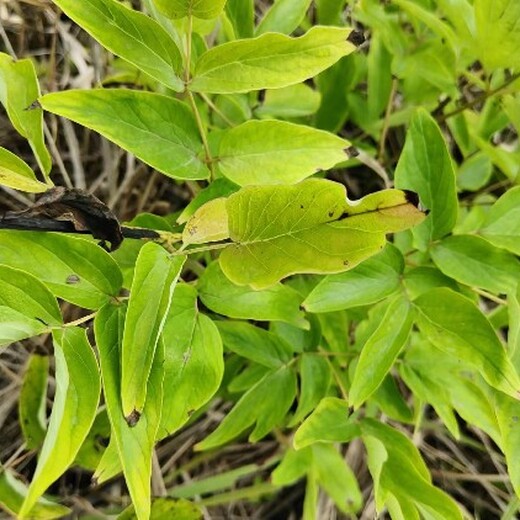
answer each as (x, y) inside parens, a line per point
(351, 151)
(356, 38)
(133, 418)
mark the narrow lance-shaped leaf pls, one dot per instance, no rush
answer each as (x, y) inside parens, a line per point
(73, 268)
(265, 404)
(16, 174)
(160, 130)
(193, 360)
(19, 89)
(474, 261)
(241, 14)
(13, 493)
(271, 60)
(367, 283)
(426, 167)
(308, 228)
(284, 16)
(32, 403)
(277, 152)
(27, 308)
(73, 411)
(380, 350)
(457, 327)
(130, 34)
(156, 274)
(134, 444)
(502, 224)
(205, 9)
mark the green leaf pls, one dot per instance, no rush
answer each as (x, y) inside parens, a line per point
(165, 509)
(457, 327)
(402, 472)
(94, 446)
(502, 224)
(73, 411)
(254, 343)
(270, 61)
(424, 278)
(381, 350)
(278, 303)
(134, 444)
(74, 269)
(367, 283)
(193, 360)
(109, 464)
(241, 14)
(265, 404)
(130, 34)
(13, 493)
(294, 465)
(336, 478)
(294, 101)
(430, 391)
(160, 130)
(425, 166)
(307, 228)
(32, 403)
(475, 172)
(205, 9)
(156, 274)
(27, 308)
(498, 39)
(19, 89)
(473, 261)
(16, 174)
(391, 402)
(284, 16)
(277, 152)
(328, 423)
(508, 419)
(315, 377)
(513, 333)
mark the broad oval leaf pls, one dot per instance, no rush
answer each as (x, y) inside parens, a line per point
(458, 328)
(278, 303)
(155, 276)
(27, 308)
(328, 423)
(193, 360)
(265, 405)
(130, 34)
(16, 174)
(73, 268)
(498, 39)
(160, 130)
(19, 89)
(310, 227)
(32, 403)
(270, 61)
(134, 444)
(205, 9)
(367, 283)
(13, 493)
(473, 261)
(73, 411)
(277, 152)
(426, 167)
(380, 350)
(502, 224)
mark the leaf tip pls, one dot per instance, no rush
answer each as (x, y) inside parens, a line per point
(351, 152)
(133, 418)
(356, 38)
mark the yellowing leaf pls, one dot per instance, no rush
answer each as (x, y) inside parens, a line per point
(310, 227)
(208, 224)
(16, 174)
